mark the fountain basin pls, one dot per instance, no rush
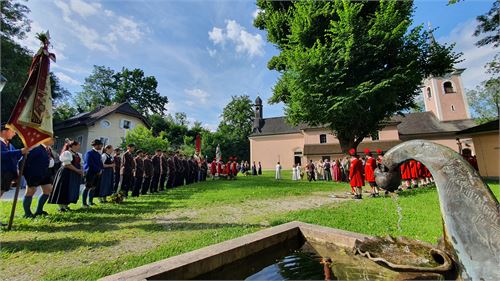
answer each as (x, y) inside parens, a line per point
(251, 256)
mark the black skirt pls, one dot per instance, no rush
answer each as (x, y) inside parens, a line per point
(66, 188)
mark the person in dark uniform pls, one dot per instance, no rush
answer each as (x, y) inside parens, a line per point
(164, 170)
(138, 173)
(171, 172)
(92, 166)
(127, 170)
(254, 169)
(260, 169)
(195, 169)
(69, 177)
(187, 171)
(155, 180)
(178, 170)
(10, 158)
(36, 172)
(148, 173)
(118, 163)
(204, 170)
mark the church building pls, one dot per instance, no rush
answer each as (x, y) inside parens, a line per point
(446, 113)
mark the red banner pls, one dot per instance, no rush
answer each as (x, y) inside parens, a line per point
(198, 144)
(31, 118)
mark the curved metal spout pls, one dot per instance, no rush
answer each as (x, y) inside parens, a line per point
(470, 211)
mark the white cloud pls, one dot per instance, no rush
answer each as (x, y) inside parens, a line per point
(198, 96)
(474, 57)
(244, 41)
(126, 29)
(84, 9)
(66, 79)
(216, 35)
(256, 13)
(212, 52)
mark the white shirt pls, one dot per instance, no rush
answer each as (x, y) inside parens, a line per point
(67, 156)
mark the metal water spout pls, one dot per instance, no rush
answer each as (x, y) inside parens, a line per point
(470, 211)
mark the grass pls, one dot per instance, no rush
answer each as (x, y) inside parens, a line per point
(86, 244)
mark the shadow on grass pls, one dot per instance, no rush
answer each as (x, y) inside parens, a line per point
(165, 226)
(52, 245)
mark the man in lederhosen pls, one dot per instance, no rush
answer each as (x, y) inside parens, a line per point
(148, 173)
(155, 180)
(138, 174)
(164, 170)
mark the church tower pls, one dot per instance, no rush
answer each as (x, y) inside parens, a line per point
(445, 96)
(257, 121)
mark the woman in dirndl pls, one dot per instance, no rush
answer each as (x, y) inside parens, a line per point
(69, 177)
(106, 182)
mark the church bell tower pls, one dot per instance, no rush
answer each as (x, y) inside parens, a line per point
(445, 96)
(257, 121)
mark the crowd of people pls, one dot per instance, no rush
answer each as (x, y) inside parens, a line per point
(231, 168)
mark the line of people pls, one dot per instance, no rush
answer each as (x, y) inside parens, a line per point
(103, 172)
(231, 168)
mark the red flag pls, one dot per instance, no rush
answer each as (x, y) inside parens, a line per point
(198, 144)
(31, 118)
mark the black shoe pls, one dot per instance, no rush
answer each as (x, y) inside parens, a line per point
(42, 213)
(3, 224)
(28, 216)
(62, 210)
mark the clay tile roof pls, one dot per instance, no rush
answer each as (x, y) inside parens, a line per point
(424, 123)
(89, 118)
(492, 126)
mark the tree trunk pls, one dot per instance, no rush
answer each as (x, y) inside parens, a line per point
(347, 143)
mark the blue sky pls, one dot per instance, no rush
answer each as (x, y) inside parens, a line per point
(202, 52)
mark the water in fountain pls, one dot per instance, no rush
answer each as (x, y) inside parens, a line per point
(398, 210)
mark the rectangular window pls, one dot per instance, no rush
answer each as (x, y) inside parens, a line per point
(79, 139)
(375, 136)
(322, 138)
(126, 124)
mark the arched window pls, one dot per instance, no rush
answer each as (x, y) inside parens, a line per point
(452, 107)
(429, 95)
(448, 87)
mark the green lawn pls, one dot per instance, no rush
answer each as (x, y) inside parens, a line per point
(86, 244)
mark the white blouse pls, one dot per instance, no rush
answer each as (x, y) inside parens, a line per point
(66, 157)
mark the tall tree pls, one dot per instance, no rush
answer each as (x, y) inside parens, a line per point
(489, 25)
(98, 89)
(485, 100)
(346, 64)
(238, 115)
(14, 20)
(143, 138)
(140, 91)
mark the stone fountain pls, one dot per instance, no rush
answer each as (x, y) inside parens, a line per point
(470, 248)
(470, 211)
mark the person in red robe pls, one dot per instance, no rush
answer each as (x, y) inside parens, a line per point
(219, 168)
(405, 174)
(234, 167)
(356, 174)
(213, 169)
(370, 166)
(228, 168)
(414, 173)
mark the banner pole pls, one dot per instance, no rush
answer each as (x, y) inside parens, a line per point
(16, 194)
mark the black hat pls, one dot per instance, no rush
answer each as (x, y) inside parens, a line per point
(96, 142)
(4, 127)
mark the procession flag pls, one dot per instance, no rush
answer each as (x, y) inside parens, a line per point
(31, 117)
(198, 144)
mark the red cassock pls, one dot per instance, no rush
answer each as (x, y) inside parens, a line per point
(213, 168)
(228, 169)
(413, 169)
(233, 169)
(370, 167)
(420, 170)
(427, 173)
(355, 173)
(405, 170)
(219, 168)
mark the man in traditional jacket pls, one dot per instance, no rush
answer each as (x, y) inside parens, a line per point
(171, 172)
(355, 174)
(187, 171)
(164, 170)
(179, 170)
(370, 167)
(148, 173)
(204, 169)
(127, 170)
(139, 173)
(155, 180)
(118, 162)
(10, 158)
(92, 166)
